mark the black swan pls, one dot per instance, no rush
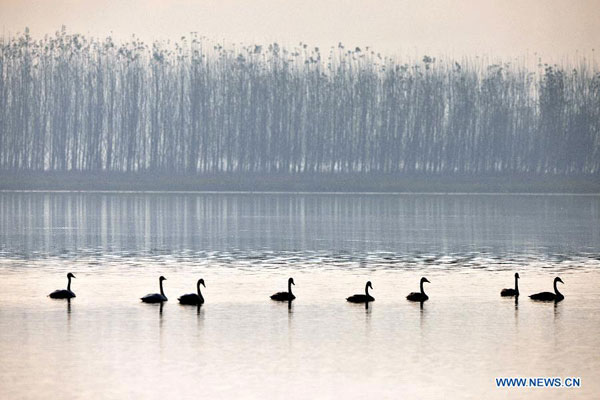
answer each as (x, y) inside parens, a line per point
(512, 292)
(193, 298)
(419, 296)
(549, 296)
(156, 297)
(285, 296)
(64, 293)
(362, 298)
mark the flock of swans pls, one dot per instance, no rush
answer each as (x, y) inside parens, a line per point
(197, 298)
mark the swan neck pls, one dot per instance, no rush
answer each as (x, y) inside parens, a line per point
(289, 287)
(69, 284)
(161, 288)
(556, 288)
(367, 290)
(198, 288)
(516, 284)
(422, 291)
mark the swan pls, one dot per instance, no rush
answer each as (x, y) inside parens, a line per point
(193, 298)
(64, 293)
(419, 296)
(512, 292)
(549, 296)
(156, 297)
(285, 296)
(362, 298)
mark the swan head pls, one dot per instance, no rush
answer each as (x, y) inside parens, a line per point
(201, 282)
(423, 280)
(517, 275)
(557, 279)
(162, 278)
(291, 281)
(370, 285)
(70, 275)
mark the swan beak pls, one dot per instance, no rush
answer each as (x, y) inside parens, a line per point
(426, 280)
(203, 284)
(560, 280)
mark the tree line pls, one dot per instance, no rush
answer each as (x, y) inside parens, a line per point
(72, 103)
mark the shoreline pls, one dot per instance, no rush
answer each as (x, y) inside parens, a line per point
(297, 183)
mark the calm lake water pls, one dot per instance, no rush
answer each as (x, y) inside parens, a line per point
(105, 343)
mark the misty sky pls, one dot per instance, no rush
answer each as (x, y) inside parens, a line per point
(553, 28)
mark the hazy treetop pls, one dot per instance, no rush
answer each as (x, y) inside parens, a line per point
(554, 29)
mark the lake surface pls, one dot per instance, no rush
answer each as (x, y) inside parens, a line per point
(105, 343)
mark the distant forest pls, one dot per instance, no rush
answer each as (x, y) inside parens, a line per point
(72, 103)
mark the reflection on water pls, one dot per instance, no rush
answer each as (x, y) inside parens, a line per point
(282, 228)
(106, 343)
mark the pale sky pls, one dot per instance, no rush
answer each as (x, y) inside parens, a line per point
(504, 28)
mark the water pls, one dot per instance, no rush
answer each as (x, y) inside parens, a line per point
(106, 344)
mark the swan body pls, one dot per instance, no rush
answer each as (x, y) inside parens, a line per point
(156, 297)
(362, 298)
(193, 298)
(64, 293)
(512, 292)
(549, 296)
(285, 296)
(419, 296)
